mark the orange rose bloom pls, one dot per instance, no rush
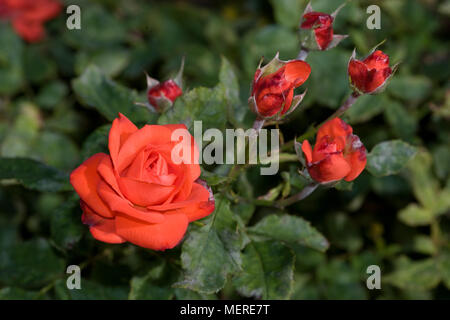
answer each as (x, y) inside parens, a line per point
(28, 16)
(136, 193)
(338, 153)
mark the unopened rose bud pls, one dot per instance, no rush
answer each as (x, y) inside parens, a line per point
(370, 75)
(338, 153)
(162, 95)
(167, 90)
(317, 30)
(273, 87)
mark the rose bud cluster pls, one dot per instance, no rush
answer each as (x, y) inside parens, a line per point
(162, 95)
(317, 30)
(28, 16)
(137, 193)
(371, 75)
(338, 153)
(273, 87)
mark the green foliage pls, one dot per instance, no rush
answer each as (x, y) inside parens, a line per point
(389, 157)
(290, 229)
(108, 97)
(33, 174)
(59, 96)
(209, 105)
(212, 252)
(30, 264)
(262, 275)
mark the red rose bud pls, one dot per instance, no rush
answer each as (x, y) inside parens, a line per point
(320, 25)
(273, 87)
(338, 153)
(162, 95)
(168, 89)
(28, 16)
(371, 74)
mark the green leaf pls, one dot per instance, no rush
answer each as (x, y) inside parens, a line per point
(425, 245)
(287, 12)
(29, 264)
(290, 229)
(444, 267)
(51, 94)
(389, 157)
(96, 142)
(20, 138)
(65, 227)
(329, 75)
(38, 67)
(111, 61)
(365, 108)
(56, 150)
(155, 284)
(33, 174)
(108, 97)
(143, 289)
(186, 294)
(100, 29)
(229, 82)
(14, 293)
(213, 179)
(414, 215)
(411, 88)
(415, 275)
(90, 290)
(344, 232)
(11, 68)
(402, 122)
(268, 271)
(339, 280)
(425, 186)
(212, 252)
(266, 42)
(209, 105)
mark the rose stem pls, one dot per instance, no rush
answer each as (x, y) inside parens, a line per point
(258, 124)
(302, 54)
(298, 196)
(345, 106)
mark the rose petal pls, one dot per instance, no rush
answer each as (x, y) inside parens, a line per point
(357, 72)
(324, 36)
(121, 130)
(297, 72)
(356, 158)
(106, 171)
(101, 229)
(335, 128)
(148, 135)
(143, 193)
(158, 236)
(376, 78)
(123, 207)
(85, 180)
(288, 101)
(307, 151)
(332, 168)
(377, 60)
(199, 204)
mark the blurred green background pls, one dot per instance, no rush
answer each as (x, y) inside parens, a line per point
(47, 91)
